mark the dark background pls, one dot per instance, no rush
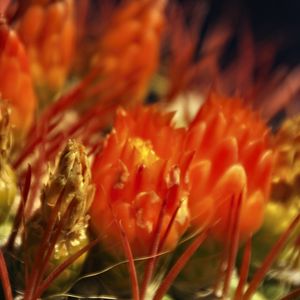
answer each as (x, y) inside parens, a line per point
(276, 19)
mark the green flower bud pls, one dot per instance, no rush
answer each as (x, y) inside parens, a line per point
(72, 177)
(71, 183)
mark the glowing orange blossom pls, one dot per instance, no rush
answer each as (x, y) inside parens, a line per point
(232, 159)
(139, 172)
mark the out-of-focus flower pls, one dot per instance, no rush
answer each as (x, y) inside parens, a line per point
(140, 172)
(65, 202)
(47, 29)
(287, 171)
(15, 79)
(130, 46)
(285, 193)
(233, 158)
(8, 186)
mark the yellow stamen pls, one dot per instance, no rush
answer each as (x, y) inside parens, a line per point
(145, 150)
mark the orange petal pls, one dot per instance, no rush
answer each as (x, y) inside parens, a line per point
(199, 175)
(263, 172)
(214, 132)
(231, 184)
(225, 155)
(250, 156)
(202, 212)
(252, 214)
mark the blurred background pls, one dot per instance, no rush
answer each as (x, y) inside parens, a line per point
(273, 28)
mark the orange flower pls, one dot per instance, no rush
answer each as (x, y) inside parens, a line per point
(130, 46)
(48, 31)
(139, 172)
(232, 159)
(15, 80)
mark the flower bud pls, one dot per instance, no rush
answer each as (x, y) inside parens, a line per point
(67, 196)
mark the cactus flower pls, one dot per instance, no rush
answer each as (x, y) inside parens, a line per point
(233, 158)
(139, 171)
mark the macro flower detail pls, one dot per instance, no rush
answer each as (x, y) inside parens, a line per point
(137, 175)
(149, 205)
(15, 79)
(47, 29)
(233, 158)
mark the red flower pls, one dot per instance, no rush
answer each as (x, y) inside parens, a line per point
(141, 171)
(232, 159)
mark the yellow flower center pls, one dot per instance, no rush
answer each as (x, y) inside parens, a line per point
(145, 151)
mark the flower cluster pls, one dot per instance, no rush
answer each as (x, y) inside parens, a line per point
(139, 207)
(195, 173)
